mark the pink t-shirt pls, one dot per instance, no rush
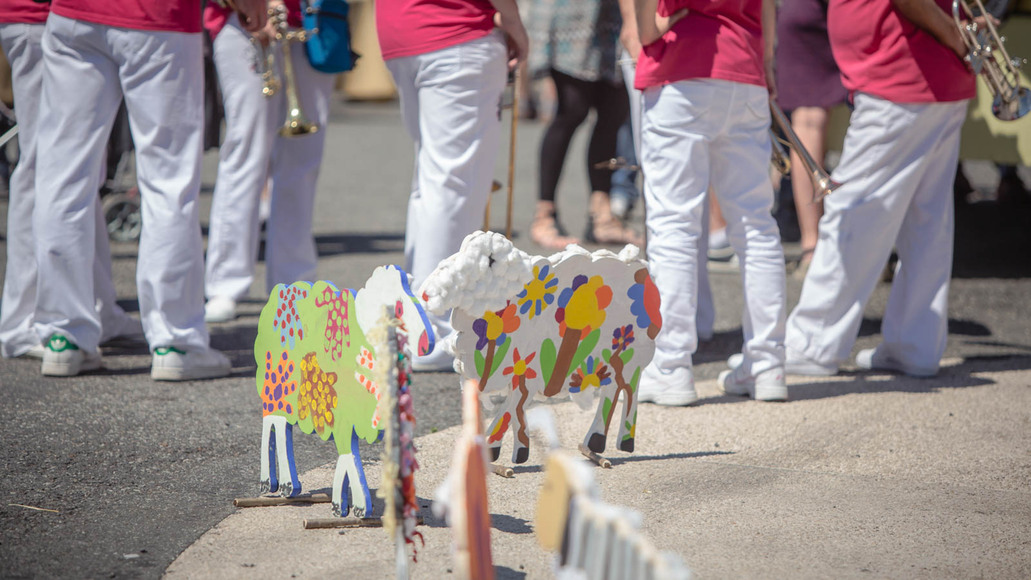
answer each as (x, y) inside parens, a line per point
(410, 27)
(23, 12)
(718, 39)
(161, 15)
(882, 53)
(215, 17)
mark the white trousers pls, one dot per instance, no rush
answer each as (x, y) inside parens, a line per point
(22, 43)
(705, 316)
(252, 155)
(87, 68)
(897, 171)
(450, 101)
(697, 134)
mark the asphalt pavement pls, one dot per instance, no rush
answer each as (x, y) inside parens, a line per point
(112, 475)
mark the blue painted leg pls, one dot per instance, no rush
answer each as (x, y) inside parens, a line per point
(290, 488)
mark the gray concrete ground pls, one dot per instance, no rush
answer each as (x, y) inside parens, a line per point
(864, 475)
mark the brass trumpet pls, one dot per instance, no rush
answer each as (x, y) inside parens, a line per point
(988, 58)
(823, 185)
(296, 123)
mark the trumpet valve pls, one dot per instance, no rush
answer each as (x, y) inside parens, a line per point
(270, 85)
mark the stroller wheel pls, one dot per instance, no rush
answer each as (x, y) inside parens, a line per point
(123, 217)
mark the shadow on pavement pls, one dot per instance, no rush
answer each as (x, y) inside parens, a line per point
(951, 377)
(636, 458)
(509, 524)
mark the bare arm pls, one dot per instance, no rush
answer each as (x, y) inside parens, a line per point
(507, 19)
(927, 16)
(651, 26)
(628, 33)
(769, 24)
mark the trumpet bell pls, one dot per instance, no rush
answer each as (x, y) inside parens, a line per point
(297, 125)
(1012, 109)
(823, 186)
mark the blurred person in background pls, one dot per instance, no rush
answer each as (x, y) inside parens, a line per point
(808, 86)
(576, 42)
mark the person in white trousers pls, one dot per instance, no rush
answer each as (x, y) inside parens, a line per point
(450, 101)
(252, 155)
(897, 170)
(704, 123)
(21, 43)
(92, 52)
(705, 316)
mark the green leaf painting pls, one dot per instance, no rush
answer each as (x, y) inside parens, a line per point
(586, 348)
(478, 359)
(499, 357)
(548, 355)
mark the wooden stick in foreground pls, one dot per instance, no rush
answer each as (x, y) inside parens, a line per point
(326, 523)
(512, 155)
(598, 459)
(502, 470)
(245, 502)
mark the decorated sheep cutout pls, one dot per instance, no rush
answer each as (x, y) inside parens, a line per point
(575, 324)
(317, 370)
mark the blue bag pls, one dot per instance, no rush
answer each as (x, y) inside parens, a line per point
(329, 42)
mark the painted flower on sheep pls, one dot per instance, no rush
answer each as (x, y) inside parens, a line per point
(539, 293)
(644, 296)
(338, 328)
(591, 374)
(287, 322)
(582, 305)
(494, 326)
(277, 384)
(520, 368)
(317, 396)
(622, 337)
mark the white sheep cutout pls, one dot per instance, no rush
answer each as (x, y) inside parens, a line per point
(575, 323)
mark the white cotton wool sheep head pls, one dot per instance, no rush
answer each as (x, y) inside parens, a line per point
(483, 275)
(389, 287)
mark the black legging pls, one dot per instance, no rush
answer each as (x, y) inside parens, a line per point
(576, 98)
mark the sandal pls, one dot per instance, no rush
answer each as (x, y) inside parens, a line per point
(605, 228)
(545, 231)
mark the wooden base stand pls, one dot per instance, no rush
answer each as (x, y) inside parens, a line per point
(598, 459)
(326, 523)
(245, 502)
(502, 470)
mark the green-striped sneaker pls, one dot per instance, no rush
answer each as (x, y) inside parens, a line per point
(175, 364)
(63, 358)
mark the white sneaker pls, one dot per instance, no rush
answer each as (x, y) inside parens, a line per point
(873, 359)
(220, 309)
(35, 351)
(798, 364)
(438, 361)
(735, 360)
(63, 358)
(719, 246)
(674, 388)
(767, 386)
(173, 364)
